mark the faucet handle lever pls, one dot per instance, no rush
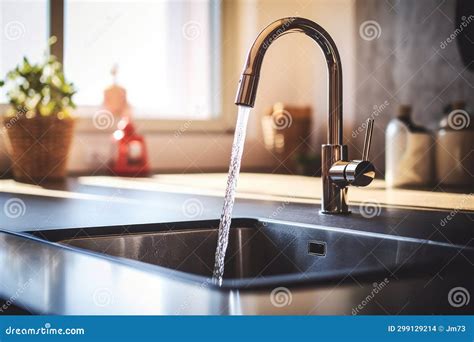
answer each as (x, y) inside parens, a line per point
(368, 139)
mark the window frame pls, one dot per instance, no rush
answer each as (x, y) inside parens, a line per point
(224, 122)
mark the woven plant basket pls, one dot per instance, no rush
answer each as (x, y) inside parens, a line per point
(39, 147)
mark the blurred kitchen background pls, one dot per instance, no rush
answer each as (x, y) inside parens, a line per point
(180, 62)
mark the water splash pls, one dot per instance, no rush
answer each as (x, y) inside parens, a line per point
(234, 170)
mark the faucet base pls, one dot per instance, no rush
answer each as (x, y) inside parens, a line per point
(334, 198)
(335, 213)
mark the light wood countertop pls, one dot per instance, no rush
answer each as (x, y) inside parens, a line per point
(255, 186)
(297, 189)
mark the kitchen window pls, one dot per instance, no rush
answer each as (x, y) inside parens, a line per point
(168, 55)
(24, 32)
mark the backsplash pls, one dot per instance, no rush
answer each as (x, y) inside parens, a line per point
(404, 56)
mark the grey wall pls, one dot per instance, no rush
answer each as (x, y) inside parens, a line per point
(407, 65)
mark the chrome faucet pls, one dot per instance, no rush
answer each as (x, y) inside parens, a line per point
(337, 171)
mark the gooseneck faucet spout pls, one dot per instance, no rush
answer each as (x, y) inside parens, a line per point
(337, 171)
(249, 80)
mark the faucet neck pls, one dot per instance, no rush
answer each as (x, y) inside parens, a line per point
(249, 79)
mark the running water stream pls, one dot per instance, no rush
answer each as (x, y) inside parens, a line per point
(232, 177)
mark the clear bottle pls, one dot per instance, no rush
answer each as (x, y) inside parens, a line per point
(409, 157)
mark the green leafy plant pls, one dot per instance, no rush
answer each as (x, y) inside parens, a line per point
(41, 87)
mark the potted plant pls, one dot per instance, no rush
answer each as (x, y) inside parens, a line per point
(38, 124)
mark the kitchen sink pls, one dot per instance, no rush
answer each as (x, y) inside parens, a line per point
(272, 267)
(264, 252)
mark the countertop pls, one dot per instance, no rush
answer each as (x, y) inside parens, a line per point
(71, 282)
(104, 201)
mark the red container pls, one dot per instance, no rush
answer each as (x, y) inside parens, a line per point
(131, 159)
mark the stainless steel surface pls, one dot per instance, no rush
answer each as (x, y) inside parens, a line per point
(55, 280)
(251, 253)
(334, 199)
(248, 84)
(356, 172)
(359, 173)
(73, 281)
(69, 280)
(261, 251)
(368, 139)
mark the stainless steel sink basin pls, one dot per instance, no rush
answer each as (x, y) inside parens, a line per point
(272, 267)
(267, 251)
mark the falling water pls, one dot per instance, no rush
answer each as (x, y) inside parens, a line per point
(234, 170)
